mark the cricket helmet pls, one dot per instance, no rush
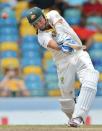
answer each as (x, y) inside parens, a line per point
(34, 14)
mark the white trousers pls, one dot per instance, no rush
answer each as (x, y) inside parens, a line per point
(78, 63)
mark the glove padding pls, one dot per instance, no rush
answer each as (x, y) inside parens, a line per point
(66, 48)
(63, 40)
(60, 38)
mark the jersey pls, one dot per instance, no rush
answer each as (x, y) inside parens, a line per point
(61, 28)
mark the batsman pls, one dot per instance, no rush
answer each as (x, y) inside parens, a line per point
(56, 35)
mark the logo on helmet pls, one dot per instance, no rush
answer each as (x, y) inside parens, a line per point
(33, 17)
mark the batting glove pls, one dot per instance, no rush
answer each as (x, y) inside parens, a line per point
(66, 48)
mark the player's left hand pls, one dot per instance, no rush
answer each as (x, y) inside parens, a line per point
(66, 48)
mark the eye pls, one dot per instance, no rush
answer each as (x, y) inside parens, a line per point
(40, 20)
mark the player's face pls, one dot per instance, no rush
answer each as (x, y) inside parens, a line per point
(41, 23)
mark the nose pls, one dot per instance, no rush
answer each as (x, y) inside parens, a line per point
(40, 24)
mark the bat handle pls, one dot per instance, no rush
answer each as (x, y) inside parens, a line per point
(79, 47)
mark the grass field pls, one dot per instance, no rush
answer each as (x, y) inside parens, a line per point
(49, 128)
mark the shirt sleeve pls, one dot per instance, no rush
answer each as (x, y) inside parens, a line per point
(44, 39)
(53, 17)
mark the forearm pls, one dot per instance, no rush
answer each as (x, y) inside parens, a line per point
(53, 44)
(2, 84)
(4, 81)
